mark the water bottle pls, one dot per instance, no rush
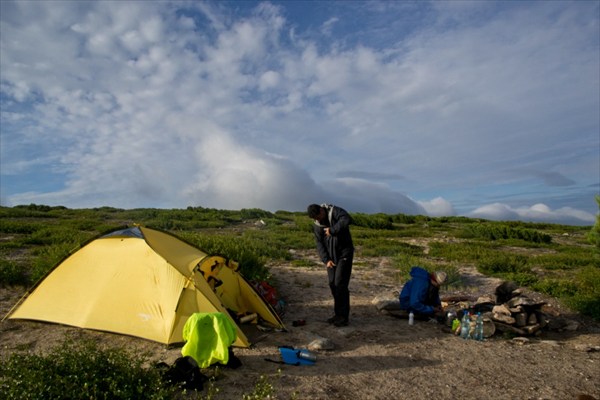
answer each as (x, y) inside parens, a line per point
(307, 355)
(479, 327)
(411, 318)
(465, 325)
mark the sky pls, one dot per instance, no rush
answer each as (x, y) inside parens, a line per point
(487, 109)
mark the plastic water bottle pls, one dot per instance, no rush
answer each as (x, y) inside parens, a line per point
(465, 325)
(479, 327)
(411, 318)
(307, 355)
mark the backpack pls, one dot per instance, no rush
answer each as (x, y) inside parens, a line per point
(270, 296)
(185, 373)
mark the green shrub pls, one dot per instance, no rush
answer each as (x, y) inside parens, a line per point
(377, 247)
(594, 234)
(566, 259)
(372, 221)
(80, 370)
(496, 231)
(556, 287)
(509, 267)
(587, 298)
(11, 273)
(463, 251)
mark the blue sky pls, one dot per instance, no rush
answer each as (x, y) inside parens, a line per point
(483, 109)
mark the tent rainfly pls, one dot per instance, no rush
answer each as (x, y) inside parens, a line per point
(145, 283)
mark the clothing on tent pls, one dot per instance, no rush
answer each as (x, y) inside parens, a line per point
(208, 337)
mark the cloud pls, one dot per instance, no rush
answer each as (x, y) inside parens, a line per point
(438, 207)
(536, 213)
(373, 176)
(174, 104)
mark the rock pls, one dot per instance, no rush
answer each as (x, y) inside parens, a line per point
(386, 303)
(542, 319)
(509, 328)
(557, 324)
(506, 319)
(572, 326)
(501, 309)
(523, 301)
(552, 343)
(321, 344)
(397, 313)
(586, 348)
(532, 319)
(520, 340)
(504, 291)
(531, 329)
(517, 309)
(484, 299)
(489, 328)
(520, 319)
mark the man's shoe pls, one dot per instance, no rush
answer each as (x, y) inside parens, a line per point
(332, 319)
(341, 322)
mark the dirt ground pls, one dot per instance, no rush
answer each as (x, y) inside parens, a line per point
(378, 356)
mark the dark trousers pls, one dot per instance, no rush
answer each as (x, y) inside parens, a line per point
(339, 279)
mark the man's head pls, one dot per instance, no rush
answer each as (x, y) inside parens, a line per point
(314, 211)
(438, 278)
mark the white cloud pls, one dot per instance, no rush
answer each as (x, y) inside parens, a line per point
(143, 105)
(438, 207)
(536, 213)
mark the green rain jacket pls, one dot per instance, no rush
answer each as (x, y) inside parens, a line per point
(208, 337)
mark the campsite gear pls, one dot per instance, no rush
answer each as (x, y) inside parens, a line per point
(307, 355)
(294, 356)
(208, 337)
(465, 325)
(478, 327)
(411, 318)
(456, 326)
(270, 295)
(142, 282)
(450, 317)
(185, 373)
(248, 318)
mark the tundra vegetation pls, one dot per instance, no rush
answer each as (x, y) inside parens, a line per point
(565, 264)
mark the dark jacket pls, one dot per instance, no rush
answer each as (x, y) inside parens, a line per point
(418, 294)
(339, 244)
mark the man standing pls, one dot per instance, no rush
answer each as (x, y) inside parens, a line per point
(335, 248)
(421, 294)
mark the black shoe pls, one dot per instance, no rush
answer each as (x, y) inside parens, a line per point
(332, 319)
(341, 322)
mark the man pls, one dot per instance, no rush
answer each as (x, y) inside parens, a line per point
(421, 293)
(335, 248)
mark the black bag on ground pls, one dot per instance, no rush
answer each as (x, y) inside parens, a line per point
(185, 373)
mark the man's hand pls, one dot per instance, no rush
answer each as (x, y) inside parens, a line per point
(327, 233)
(330, 264)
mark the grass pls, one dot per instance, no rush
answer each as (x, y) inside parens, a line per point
(562, 261)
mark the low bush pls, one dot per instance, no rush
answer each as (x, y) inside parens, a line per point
(496, 231)
(80, 370)
(12, 274)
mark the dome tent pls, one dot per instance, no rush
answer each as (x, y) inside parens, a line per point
(142, 282)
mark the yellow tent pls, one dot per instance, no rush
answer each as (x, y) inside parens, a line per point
(145, 283)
